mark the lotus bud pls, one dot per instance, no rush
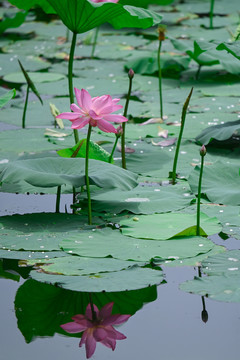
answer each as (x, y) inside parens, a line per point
(119, 131)
(203, 150)
(204, 316)
(131, 74)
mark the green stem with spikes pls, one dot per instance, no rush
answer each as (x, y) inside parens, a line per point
(70, 79)
(87, 177)
(25, 107)
(199, 196)
(113, 149)
(211, 14)
(124, 124)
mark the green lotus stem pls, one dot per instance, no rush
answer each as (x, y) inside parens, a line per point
(87, 178)
(130, 76)
(202, 153)
(198, 72)
(25, 107)
(183, 117)
(70, 81)
(160, 78)
(211, 14)
(95, 41)
(58, 199)
(113, 149)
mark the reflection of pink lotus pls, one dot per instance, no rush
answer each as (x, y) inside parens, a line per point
(95, 111)
(101, 1)
(97, 327)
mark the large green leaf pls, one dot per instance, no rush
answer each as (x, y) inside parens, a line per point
(36, 77)
(78, 265)
(223, 281)
(42, 308)
(54, 171)
(12, 22)
(219, 288)
(28, 4)
(206, 54)
(220, 183)
(129, 279)
(167, 226)
(170, 65)
(82, 15)
(37, 232)
(233, 49)
(142, 200)
(219, 132)
(79, 150)
(106, 242)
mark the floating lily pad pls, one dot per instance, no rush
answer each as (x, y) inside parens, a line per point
(142, 200)
(167, 226)
(37, 232)
(36, 77)
(26, 255)
(107, 242)
(194, 261)
(223, 281)
(130, 279)
(78, 265)
(220, 183)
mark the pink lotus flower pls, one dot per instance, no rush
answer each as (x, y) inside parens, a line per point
(95, 111)
(105, 1)
(97, 327)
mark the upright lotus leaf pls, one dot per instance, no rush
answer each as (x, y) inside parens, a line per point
(219, 132)
(206, 54)
(221, 183)
(200, 51)
(42, 308)
(12, 22)
(7, 97)
(233, 49)
(79, 150)
(55, 171)
(82, 15)
(28, 4)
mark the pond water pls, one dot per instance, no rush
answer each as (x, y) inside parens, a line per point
(169, 327)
